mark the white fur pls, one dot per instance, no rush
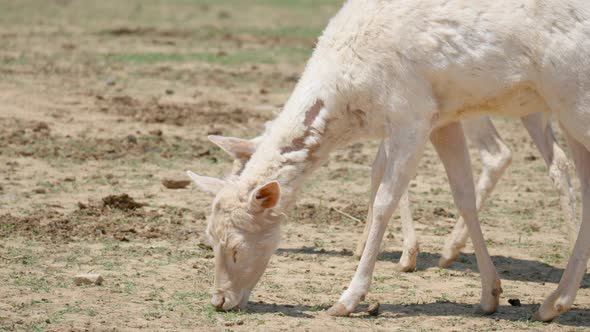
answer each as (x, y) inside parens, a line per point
(407, 72)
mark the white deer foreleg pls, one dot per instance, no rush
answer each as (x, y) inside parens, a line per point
(402, 151)
(376, 174)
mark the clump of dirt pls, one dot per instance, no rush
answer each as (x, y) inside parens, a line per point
(122, 202)
(22, 132)
(41, 127)
(442, 212)
(115, 216)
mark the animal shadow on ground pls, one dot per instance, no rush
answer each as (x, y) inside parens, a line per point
(508, 267)
(574, 317)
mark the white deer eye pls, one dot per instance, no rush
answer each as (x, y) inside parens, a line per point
(235, 256)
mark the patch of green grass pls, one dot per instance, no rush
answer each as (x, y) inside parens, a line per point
(443, 298)
(551, 258)
(58, 316)
(381, 278)
(463, 259)
(320, 307)
(152, 314)
(288, 31)
(436, 191)
(6, 228)
(11, 61)
(529, 229)
(109, 266)
(110, 245)
(272, 286)
(184, 296)
(209, 313)
(180, 300)
(273, 3)
(91, 312)
(299, 32)
(384, 288)
(527, 323)
(258, 56)
(35, 284)
(440, 231)
(127, 288)
(319, 243)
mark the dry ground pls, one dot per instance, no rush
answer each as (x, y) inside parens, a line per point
(102, 98)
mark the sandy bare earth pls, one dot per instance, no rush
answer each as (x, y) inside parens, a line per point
(99, 99)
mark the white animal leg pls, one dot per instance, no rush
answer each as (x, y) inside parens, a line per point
(558, 165)
(402, 151)
(376, 174)
(407, 262)
(562, 299)
(450, 145)
(496, 157)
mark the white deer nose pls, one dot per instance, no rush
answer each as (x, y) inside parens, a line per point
(217, 301)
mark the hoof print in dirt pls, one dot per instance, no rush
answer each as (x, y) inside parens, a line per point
(88, 279)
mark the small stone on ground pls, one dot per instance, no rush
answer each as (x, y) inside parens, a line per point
(175, 183)
(373, 309)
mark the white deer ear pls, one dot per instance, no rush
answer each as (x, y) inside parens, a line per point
(266, 196)
(206, 184)
(236, 147)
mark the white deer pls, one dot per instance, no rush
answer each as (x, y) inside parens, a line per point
(408, 72)
(495, 157)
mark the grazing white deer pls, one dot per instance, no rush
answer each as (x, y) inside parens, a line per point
(495, 156)
(408, 72)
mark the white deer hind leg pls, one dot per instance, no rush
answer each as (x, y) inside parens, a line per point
(407, 263)
(563, 297)
(558, 165)
(450, 145)
(496, 157)
(402, 151)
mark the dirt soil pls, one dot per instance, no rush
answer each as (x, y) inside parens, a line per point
(102, 100)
